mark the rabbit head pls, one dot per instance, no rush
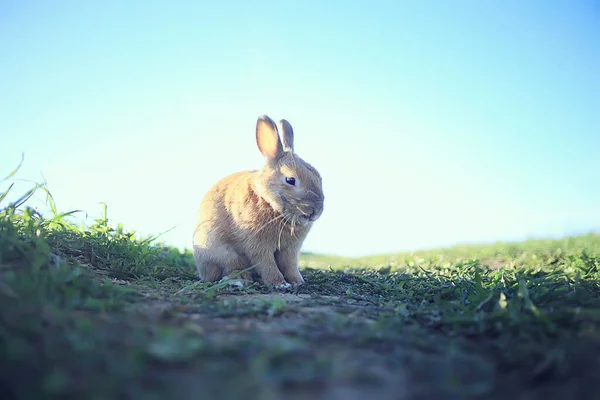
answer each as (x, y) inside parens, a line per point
(289, 184)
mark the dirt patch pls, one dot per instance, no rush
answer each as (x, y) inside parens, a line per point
(328, 347)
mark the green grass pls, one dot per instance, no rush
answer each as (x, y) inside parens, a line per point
(96, 312)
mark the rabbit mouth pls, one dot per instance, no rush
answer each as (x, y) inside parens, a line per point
(304, 219)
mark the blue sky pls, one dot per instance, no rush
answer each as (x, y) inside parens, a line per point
(432, 122)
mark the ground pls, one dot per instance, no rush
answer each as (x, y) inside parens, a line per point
(95, 312)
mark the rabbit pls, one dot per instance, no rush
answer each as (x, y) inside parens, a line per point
(260, 218)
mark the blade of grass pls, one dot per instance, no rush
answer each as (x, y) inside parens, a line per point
(4, 194)
(14, 172)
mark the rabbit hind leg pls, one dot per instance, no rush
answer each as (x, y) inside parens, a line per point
(221, 262)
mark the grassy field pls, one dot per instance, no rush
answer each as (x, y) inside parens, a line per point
(94, 312)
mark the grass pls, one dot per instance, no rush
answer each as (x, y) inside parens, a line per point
(96, 312)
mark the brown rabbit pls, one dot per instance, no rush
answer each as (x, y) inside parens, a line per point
(260, 218)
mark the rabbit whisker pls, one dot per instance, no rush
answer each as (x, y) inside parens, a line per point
(269, 222)
(302, 211)
(284, 220)
(293, 229)
(280, 227)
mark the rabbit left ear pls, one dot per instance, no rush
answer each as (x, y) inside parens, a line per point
(287, 135)
(267, 138)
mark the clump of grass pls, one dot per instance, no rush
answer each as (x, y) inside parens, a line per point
(53, 338)
(539, 316)
(119, 251)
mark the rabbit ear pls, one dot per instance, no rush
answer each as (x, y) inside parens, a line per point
(287, 135)
(267, 138)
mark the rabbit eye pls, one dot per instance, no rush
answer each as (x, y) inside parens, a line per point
(290, 181)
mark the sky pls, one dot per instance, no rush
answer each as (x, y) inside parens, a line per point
(432, 122)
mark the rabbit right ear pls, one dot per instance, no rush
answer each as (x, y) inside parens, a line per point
(267, 138)
(287, 135)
